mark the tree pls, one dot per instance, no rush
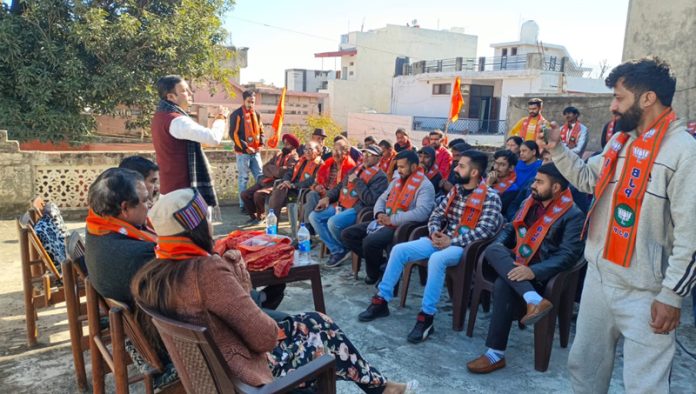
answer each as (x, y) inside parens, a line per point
(66, 61)
(312, 122)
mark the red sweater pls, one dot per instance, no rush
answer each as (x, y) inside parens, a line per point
(171, 154)
(443, 159)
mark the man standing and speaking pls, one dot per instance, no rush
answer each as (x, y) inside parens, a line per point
(641, 247)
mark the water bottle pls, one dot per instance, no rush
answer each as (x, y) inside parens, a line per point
(304, 245)
(271, 223)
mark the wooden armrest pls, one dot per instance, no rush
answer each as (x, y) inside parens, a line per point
(294, 378)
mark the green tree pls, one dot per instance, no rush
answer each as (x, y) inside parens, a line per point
(312, 122)
(66, 61)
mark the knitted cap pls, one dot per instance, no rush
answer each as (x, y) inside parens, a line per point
(178, 211)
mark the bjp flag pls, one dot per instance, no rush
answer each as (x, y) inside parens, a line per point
(457, 101)
(278, 121)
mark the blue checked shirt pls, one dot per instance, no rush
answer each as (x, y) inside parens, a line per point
(488, 223)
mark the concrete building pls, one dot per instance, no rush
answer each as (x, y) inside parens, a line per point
(369, 60)
(667, 30)
(303, 80)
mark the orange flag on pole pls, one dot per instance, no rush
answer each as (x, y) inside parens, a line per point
(457, 101)
(278, 121)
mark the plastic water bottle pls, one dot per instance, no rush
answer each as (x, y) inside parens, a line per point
(304, 245)
(271, 223)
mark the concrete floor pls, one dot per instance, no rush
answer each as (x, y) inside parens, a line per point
(438, 364)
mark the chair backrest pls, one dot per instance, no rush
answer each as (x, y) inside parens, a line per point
(36, 208)
(136, 334)
(75, 246)
(198, 361)
(25, 224)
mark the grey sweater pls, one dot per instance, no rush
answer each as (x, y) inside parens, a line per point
(418, 211)
(664, 258)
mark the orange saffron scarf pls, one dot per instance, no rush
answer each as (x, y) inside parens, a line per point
(529, 239)
(308, 170)
(348, 196)
(537, 127)
(401, 196)
(177, 248)
(570, 136)
(473, 208)
(630, 189)
(505, 184)
(102, 225)
(251, 128)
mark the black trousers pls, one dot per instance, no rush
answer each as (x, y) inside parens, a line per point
(369, 246)
(508, 304)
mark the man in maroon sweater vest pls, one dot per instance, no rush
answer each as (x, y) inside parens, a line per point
(177, 139)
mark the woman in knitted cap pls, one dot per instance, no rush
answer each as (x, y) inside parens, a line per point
(188, 282)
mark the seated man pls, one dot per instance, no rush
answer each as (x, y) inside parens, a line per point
(542, 241)
(386, 162)
(117, 241)
(302, 176)
(426, 158)
(443, 157)
(447, 183)
(280, 164)
(410, 198)
(502, 178)
(369, 140)
(150, 172)
(330, 173)
(359, 189)
(470, 212)
(403, 142)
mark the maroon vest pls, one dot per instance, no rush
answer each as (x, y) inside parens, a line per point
(171, 154)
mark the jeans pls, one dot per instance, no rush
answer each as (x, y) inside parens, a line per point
(329, 224)
(438, 261)
(246, 163)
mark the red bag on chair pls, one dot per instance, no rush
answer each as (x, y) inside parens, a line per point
(264, 253)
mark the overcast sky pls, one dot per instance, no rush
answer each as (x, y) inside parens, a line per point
(282, 34)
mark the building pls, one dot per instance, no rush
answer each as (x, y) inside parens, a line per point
(369, 60)
(303, 80)
(667, 30)
(525, 66)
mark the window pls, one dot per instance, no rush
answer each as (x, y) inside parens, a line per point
(513, 51)
(504, 52)
(442, 88)
(269, 99)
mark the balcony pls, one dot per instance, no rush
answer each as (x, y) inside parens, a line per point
(530, 61)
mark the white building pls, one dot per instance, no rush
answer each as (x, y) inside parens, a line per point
(303, 80)
(521, 67)
(369, 60)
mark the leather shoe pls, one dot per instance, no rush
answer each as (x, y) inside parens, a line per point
(536, 311)
(483, 365)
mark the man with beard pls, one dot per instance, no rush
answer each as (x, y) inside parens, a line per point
(281, 163)
(542, 241)
(502, 178)
(573, 133)
(426, 158)
(640, 241)
(470, 211)
(409, 198)
(446, 184)
(529, 127)
(403, 142)
(246, 131)
(443, 157)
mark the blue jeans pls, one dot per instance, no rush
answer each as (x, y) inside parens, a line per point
(438, 261)
(328, 224)
(246, 163)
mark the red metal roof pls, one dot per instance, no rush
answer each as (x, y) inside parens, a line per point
(345, 52)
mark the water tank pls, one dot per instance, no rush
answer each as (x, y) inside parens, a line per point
(529, 32)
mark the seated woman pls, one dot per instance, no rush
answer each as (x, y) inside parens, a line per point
(189, 283)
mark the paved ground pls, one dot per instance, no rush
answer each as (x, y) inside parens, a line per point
(438, 364)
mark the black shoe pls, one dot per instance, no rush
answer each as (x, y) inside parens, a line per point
(336, 259)
(253, 221)
(370, 281)
(423, 328)
(378, 308)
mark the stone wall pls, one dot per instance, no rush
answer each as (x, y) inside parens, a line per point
(64, 177)
(594, 112)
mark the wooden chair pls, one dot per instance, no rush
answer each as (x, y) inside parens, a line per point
(203, 369)
(37, 269)
(122, 326)
(560, 290)
(36, 208)
(458, 278)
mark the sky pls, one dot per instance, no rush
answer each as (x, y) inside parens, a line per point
(283, 34)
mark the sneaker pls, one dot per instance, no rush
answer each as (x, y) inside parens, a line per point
(253, 221)
(423, 328)
(378, 308)
(336, 259)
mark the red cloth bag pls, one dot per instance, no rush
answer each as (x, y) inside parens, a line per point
(278, 256)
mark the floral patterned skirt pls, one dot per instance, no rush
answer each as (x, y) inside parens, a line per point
(311, 335)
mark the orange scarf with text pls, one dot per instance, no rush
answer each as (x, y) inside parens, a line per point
(434, 170)
(570, 136)
(610, 129)
(402, 194)
(177, 248)
(385, 161)
(473, 208)
(102, 225)
(631, 187)
(308, 170)
(280, 161)
(537, 127)
(529, 239)
(505, 184)
(348, 196)
(252, 128)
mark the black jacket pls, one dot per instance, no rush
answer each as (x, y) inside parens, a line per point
(560, 249)
(238, 134)
(367, 193)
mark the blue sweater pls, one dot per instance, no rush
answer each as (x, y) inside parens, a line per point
(525, 172)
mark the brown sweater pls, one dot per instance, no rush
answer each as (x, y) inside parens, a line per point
(215, 293)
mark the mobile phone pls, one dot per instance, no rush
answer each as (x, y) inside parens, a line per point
(545, 130)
